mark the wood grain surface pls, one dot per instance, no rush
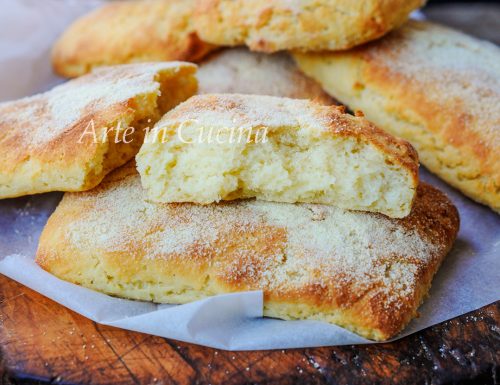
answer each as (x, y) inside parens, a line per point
(42, 342)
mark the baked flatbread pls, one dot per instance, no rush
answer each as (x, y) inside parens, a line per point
(240, 71)
(435, 87)
(129, 31)
(69, 138)
(362, 271)
(232, 146)
(306, 25)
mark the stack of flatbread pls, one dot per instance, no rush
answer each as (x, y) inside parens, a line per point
(248, 174)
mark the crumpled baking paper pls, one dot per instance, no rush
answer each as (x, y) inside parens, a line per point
(468, 279)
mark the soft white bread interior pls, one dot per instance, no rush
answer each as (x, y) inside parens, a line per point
(224, 147)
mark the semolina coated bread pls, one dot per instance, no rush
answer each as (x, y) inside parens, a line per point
(240, 71)
(305, 25)
(126, 32)
(433, 86)
(362, 271)
(69, 138)
(230, 146)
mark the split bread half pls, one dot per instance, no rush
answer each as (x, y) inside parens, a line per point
(69, 138)
(129, 31)
(306, 25)
(229, 146)
(363, 271)
(433, 86)
(240, 71)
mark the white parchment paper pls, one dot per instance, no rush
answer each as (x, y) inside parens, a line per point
(468, 279)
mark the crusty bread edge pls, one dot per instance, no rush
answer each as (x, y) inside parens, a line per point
(99, 270)
(436, 154)
(86, 163)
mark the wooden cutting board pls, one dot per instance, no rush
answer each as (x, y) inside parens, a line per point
(42, 342)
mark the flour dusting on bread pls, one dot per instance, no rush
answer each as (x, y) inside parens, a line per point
(363, 271)
(69, 138)
(435, 87)
(227, 146)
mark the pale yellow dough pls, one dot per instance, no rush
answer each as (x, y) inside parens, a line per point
(69, 138)
(433, 86)
(229, 146)
(305, 25)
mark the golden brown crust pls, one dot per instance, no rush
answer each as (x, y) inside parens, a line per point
(401, 151)
(362, 271)
(433, 86)
(244, 110)
(129, 31)
(240, 71)
(310, 25)
(65, 139)
(290, 151)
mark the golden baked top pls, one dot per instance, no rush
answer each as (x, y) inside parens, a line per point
(231, 146)
(240, 71)
(432, 77)
(71, 128)
(374, 268)
(306, 25)
(449, 77)
(234, 110)
(129, 31)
